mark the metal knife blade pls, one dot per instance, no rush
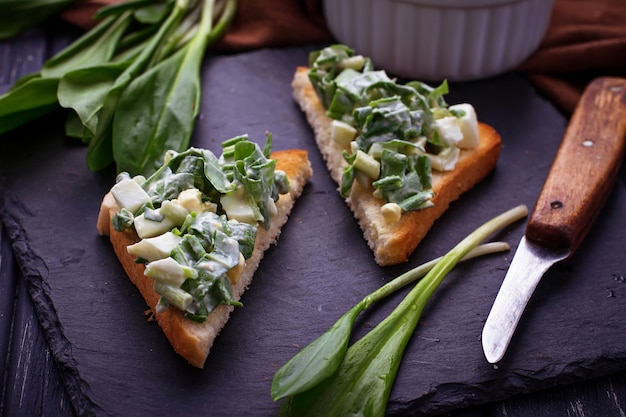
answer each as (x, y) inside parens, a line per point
(578, 184)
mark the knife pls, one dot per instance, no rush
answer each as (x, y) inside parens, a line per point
(578, 184)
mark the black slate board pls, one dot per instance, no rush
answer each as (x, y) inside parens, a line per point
(116, 363)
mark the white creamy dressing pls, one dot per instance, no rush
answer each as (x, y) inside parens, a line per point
(456, 132)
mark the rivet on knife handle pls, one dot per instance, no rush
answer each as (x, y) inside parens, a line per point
(578, 184)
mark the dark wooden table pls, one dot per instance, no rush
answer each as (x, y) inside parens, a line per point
(31, 384)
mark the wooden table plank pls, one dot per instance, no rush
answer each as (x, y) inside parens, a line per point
(31, 384)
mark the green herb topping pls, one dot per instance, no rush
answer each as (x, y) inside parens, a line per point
(392, 134)
(197, 216)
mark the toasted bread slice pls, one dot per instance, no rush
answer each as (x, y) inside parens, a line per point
(190, 339)
(392, 243)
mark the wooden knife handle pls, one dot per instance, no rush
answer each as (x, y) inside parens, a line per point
(585, 168)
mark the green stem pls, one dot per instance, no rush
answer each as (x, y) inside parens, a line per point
(418, 272)
(100, 152)
(328, 378)
(321, 358)
(227, 15)
(151, 55)
(416, 300)
(449, 261)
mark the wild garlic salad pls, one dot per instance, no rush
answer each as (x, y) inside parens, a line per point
(393, 135)
(197, 219)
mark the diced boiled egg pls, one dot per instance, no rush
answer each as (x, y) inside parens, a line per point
(449, 130)
(238, 208)
(342, 133)
(468, 124)
(154, 248)
(191, 200)
(150, 228)
(129, 195)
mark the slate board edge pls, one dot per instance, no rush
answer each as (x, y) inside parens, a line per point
(448, 397)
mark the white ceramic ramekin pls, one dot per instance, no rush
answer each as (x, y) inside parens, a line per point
(435, 39)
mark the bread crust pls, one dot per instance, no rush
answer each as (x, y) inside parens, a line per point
(190, 339)
(393, 243)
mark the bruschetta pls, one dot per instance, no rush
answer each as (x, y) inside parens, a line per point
(191, 236)
(398, 152)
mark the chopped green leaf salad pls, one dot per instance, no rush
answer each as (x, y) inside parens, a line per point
(392, 134)
(197, 218)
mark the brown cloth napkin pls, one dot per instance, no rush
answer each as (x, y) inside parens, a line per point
(257, 23)
(585, 39)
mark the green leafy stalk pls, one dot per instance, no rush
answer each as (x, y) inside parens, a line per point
(100, 152)
(156, 111)
(34, 95)
(358, 380)
(132, 84)
(27, 101)
(321, 358)
(94, 48)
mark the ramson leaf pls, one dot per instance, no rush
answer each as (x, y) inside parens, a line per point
(325, 379)
(154, 114)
